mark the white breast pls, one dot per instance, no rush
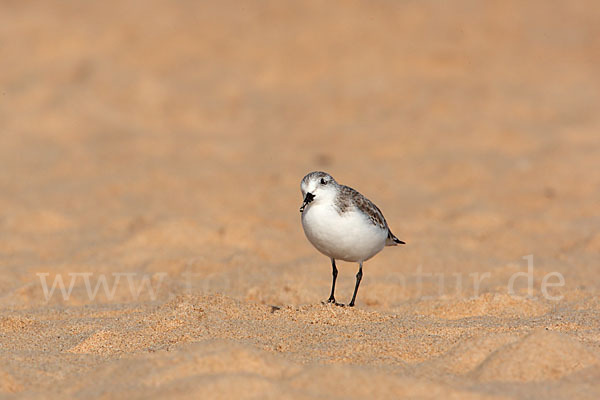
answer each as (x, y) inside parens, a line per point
(350, 236)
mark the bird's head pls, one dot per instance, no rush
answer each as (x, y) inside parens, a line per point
(317, 187)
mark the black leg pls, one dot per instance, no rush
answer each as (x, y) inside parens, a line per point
(334, 273)
(358, 278)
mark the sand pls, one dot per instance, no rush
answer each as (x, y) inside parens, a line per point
(151, 154)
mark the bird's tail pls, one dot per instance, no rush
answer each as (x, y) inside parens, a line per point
(392, 240)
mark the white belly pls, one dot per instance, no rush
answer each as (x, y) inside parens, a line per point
(349, 237)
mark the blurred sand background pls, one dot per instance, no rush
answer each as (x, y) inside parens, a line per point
(166, 140)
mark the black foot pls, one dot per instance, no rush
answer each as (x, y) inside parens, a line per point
(330, 300)
(351, 304)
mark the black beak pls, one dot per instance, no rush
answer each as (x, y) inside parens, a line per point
(307, 199)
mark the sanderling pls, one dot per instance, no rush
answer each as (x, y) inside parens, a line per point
(342, 224)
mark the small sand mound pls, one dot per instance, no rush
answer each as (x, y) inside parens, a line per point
(12, 323)
(217, 357)
(467, 355)
(539, 356)
(173, 322)
(101, 342)
(194, 371)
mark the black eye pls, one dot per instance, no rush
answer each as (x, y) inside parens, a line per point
(323, 181)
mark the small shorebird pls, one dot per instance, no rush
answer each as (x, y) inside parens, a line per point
(342, 224)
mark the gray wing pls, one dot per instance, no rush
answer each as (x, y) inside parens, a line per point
(349, 197)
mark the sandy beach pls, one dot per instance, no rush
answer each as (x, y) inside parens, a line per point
(151, 155)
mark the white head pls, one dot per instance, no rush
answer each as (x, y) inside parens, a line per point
(317, 187)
